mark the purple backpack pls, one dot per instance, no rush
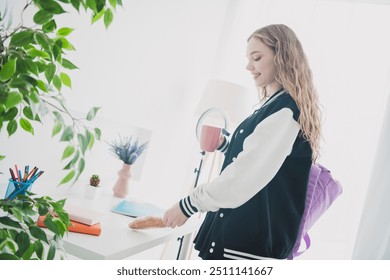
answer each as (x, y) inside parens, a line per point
(321, 192)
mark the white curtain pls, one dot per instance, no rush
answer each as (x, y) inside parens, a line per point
(347, 48)
(373, 238)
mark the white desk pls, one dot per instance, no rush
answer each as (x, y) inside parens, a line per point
(117, 240)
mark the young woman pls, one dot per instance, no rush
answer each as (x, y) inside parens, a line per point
(255, 205)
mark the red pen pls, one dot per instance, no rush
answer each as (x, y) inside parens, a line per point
(12, 174)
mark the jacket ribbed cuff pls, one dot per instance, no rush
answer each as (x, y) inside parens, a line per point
(187, 208)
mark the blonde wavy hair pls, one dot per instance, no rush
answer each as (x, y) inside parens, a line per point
(295, 75)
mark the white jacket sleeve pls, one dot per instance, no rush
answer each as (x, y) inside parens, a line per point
(264, 152)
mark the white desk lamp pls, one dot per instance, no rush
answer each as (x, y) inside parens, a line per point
(233, 104)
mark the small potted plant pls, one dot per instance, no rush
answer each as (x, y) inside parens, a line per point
(128, 151)
(93, 187)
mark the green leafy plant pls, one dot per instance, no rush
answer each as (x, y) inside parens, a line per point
(34, 70)
(21, 238)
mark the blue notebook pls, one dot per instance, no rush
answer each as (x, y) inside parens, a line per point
(137, 209)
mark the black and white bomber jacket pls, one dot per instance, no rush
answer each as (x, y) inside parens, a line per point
(254, 207)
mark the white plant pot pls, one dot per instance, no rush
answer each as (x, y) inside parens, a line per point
(92, 192)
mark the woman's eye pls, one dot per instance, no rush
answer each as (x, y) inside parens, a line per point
(257, 59)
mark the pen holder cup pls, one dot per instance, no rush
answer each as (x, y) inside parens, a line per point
(14, 188)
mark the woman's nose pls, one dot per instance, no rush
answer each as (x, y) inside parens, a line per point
(249, 66)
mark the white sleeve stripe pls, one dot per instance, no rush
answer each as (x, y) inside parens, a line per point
(264, 152)
(186, 205)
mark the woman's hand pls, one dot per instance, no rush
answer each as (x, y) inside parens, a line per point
(174, 217)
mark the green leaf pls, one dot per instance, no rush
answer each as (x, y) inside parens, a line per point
(52, 252)
(92, 113)
(42, 210)
(68, 177)
(41, 85)
(28, 113)
(81, 166)
(68, 64)
(49, 72)
(6, 256)
(21, 39)
(13, 99)
(65, 79)
(64, 31)
(26, 125)
(108, 17)
(57, 82)
(28, 252)
(8, 70)
(100, 5)
(113, 3)
(9, 222)
(51, 225)
(91, 139)
(98, 133)
(2, 157)
(41, 66)
(82, 142)
(23, 241)
(18, 83)
(69, 150)
(97, 16)
(49, 26)
(42, 17)
(34, 97)
(67, 134)
(76, 4)
(12, 127)
(56, 128)
(10, 114)
(75, 158)
(92, 5)
(37, 53)
(42, 40)
(57, 49)
(31, 66)
(38, 247)
(38, 233)
(17, 213)
(21, 66)
(67, 45)
(52, 7)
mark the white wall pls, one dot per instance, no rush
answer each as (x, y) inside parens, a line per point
(149, 68)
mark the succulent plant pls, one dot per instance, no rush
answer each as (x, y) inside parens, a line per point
(127, 150)
(94, 180)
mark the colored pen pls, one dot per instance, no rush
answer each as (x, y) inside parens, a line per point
(29, 176)
(25, 173)
(12, 174)
(17, 172)
(32, 180)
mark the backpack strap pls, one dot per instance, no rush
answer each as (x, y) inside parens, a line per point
(307, 240)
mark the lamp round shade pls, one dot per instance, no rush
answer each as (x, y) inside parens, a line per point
(232, 98)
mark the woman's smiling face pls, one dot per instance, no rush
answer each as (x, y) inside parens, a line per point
(261, 64)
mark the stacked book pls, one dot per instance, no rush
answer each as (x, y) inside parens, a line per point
(83, 220)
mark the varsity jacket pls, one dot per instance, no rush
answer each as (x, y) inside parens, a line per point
(256, 203)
